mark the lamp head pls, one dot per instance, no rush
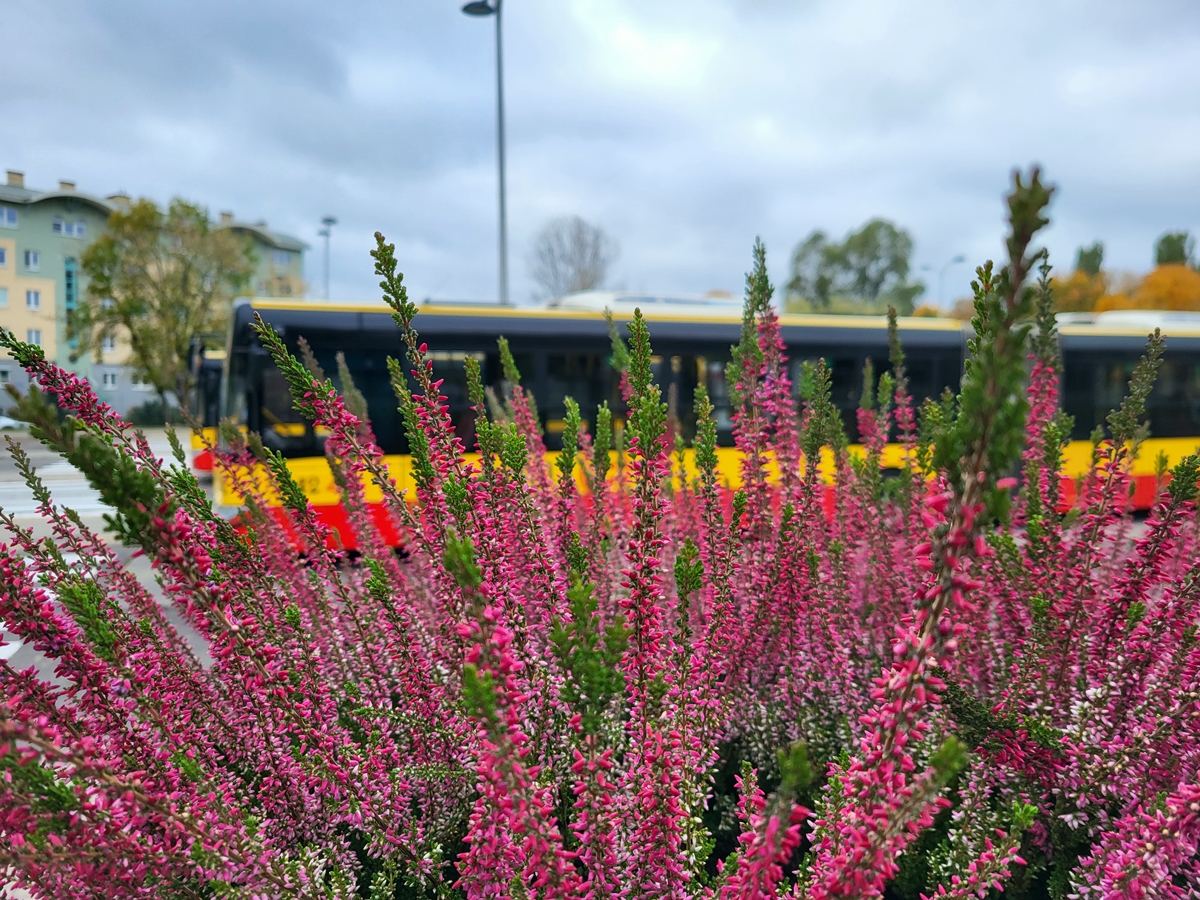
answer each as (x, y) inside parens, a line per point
(959, 258)
(328, 221)
(478, 8)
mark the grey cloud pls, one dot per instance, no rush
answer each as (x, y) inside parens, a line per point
(684, 128)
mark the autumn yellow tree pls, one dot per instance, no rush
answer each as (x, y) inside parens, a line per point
(1170, 287)
(1082, 289)
(1079, 291)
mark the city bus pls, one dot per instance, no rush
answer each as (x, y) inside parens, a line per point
(564, 350)
(208, 368)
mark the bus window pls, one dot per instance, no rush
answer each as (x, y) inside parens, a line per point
(1078, 376)
(451, 368)
(277, 406)
(493, 375)
(233, 404)
(718, 396)
(1173, 406)
(371, 377)
(845, 375)
(1111, 386)
(282, 427)
(922, 378)
(584, 377)
(1094, 384)
(846, 389)
(208, 396)
(685, 376)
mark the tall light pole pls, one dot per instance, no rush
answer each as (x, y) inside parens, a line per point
(328, 222)
(485, 8)
(953, 261)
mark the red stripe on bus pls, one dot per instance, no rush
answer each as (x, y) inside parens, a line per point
(335, 518)
(342, 537)
(1145, 490)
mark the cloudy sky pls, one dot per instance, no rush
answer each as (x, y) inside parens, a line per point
(683, 127)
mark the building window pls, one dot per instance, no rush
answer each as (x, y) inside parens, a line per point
(283, 258)
(4, 376)
(33, 299)
(70, 283)
(68, 229)
(34, 336)
(109, 380)
(3, 297)
(109, 343)
(139, 383)
(33, 260)
(3, 257)
(8, 217)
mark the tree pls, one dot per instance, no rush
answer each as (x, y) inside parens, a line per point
(570, 254)
(869, 268)
(1089, 260)
(1079, 291)
(1174, 248)
(1082, 289)
(160, 279)
(812, 277)
(1171, 287)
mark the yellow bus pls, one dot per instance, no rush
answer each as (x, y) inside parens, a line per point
(565, 351)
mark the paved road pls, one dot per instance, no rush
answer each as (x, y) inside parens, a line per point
(66, 485)
(39, 454)
(69, 488)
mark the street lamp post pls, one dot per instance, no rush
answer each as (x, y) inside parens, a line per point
(485, 8)
(953, 261)
(328, 222)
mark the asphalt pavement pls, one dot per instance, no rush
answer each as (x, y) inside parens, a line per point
(69, 488)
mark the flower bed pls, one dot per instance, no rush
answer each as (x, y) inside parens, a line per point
(941, 684)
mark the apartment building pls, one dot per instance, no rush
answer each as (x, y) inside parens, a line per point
(43, 234)
(42, 238)
(280, 267)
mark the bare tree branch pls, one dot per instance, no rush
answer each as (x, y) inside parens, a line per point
(570, 254)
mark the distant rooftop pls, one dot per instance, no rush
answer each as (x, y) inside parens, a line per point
(273, 238)
(14, 191)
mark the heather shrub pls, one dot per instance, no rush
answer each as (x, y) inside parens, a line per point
(606, 677)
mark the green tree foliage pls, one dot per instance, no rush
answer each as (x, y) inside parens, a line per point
(867, 271)
(1089, 260)
(1174, 248)
(158, 279)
